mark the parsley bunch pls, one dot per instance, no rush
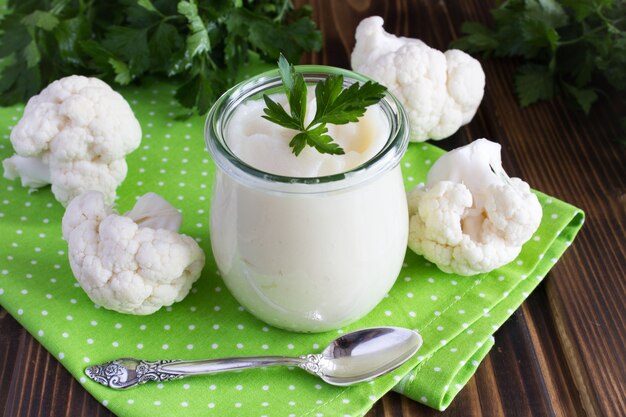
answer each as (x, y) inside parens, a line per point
(334, 105)
(204, 46)
(571, 47)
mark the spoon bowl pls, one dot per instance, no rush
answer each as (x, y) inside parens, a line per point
(354, 357)
(366, 354)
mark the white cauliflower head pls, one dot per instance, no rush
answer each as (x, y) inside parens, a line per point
(74, 135)
(440, 91)
(470, 217)
(133, 263)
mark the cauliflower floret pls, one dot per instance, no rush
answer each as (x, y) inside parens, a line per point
(470, 217)
(74, 135)
(440, 91)
(133, 263)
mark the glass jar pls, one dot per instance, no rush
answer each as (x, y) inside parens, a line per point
(307, 254)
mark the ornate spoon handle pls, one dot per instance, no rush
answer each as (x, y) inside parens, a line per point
(129, 372)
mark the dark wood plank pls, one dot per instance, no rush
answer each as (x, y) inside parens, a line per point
(557, 377)
(9, 332)
(33, 383)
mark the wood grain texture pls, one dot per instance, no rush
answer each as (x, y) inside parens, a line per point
(563, 353)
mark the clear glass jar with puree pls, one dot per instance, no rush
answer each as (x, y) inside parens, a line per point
(308, 254)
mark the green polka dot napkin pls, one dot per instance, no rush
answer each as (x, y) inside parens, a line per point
(455, 315)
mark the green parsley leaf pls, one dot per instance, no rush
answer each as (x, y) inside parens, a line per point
(164, 43)
(335, 105)
(318, 138)
(477, 38)
(32, 54)
(67, 34)
(296, 90)
(274, 112)
(584, 97)
(533, 83)
(147, 4)
(122, 74)
(548, 11)
(197, 91)
(299, 142)
(198, 43)
(287, 74)
(130, 45)
(44, 20)
(349, 105)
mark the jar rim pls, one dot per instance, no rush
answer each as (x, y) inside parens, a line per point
(384, 160)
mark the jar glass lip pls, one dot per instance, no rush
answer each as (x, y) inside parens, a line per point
(219, 116)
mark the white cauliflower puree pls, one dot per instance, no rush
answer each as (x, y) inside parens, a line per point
(265, 145)
(308, 261)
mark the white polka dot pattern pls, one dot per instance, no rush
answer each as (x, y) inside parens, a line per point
(455, 318)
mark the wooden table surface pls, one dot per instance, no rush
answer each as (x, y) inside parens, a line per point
(563, 352)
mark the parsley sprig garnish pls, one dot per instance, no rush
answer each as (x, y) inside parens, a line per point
(335, 105)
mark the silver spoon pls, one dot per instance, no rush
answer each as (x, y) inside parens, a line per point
(354, 357)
